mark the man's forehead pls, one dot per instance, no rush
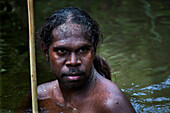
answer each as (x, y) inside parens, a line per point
(71, 43)
(69, 30)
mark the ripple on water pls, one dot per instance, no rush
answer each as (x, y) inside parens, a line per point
(150, 98)
(155, 87)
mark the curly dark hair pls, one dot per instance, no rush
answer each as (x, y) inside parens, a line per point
(75, 15)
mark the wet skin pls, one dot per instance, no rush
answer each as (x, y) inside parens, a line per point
(69, 57)
(78, 84)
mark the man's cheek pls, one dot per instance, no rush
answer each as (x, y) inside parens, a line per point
(54, 67)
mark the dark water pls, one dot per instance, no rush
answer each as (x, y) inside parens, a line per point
(136, 44)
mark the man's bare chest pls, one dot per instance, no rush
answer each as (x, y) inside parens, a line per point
(52, 106)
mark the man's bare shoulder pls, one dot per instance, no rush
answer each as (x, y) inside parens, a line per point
(117, 104)
(108, 86)
(113, 100)
(45, 90)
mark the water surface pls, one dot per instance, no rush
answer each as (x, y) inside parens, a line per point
(136, 45)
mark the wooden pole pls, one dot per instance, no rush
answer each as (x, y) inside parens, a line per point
(32, 55)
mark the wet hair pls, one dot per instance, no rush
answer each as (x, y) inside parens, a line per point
(77, 16)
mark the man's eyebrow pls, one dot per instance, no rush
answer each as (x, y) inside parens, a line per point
(59, 47)
(67, 48)
(85, 46)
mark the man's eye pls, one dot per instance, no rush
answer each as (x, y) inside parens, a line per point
(83, 50)
(61, 51)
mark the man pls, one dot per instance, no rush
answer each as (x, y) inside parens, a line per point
(69, 40)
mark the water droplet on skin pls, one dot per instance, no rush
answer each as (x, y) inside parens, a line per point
(117, 102)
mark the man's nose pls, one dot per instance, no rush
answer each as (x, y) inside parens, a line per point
(73, 60)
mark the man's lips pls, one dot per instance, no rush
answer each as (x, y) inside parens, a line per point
(73, 76)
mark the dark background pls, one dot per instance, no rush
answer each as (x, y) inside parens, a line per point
(136, 44)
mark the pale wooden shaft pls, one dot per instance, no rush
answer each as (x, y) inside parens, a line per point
(32, 56)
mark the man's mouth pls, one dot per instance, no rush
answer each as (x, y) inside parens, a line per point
(73, 76)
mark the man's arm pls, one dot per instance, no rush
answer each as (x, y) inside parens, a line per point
(121, 105)
(112, 98)
(26, 105)
(118, 104)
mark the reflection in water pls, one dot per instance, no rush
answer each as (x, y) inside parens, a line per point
(145, 95)
(133, 30)
(148, 12)
(160, 86)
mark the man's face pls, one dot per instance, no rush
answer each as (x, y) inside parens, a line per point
(71, 55)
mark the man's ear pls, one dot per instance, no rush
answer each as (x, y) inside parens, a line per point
(45, 50)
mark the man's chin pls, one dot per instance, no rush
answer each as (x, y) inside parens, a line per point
(72, 84)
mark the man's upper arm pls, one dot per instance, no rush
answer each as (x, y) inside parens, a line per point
(112, 100)
(26, 105)
(119, 104)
